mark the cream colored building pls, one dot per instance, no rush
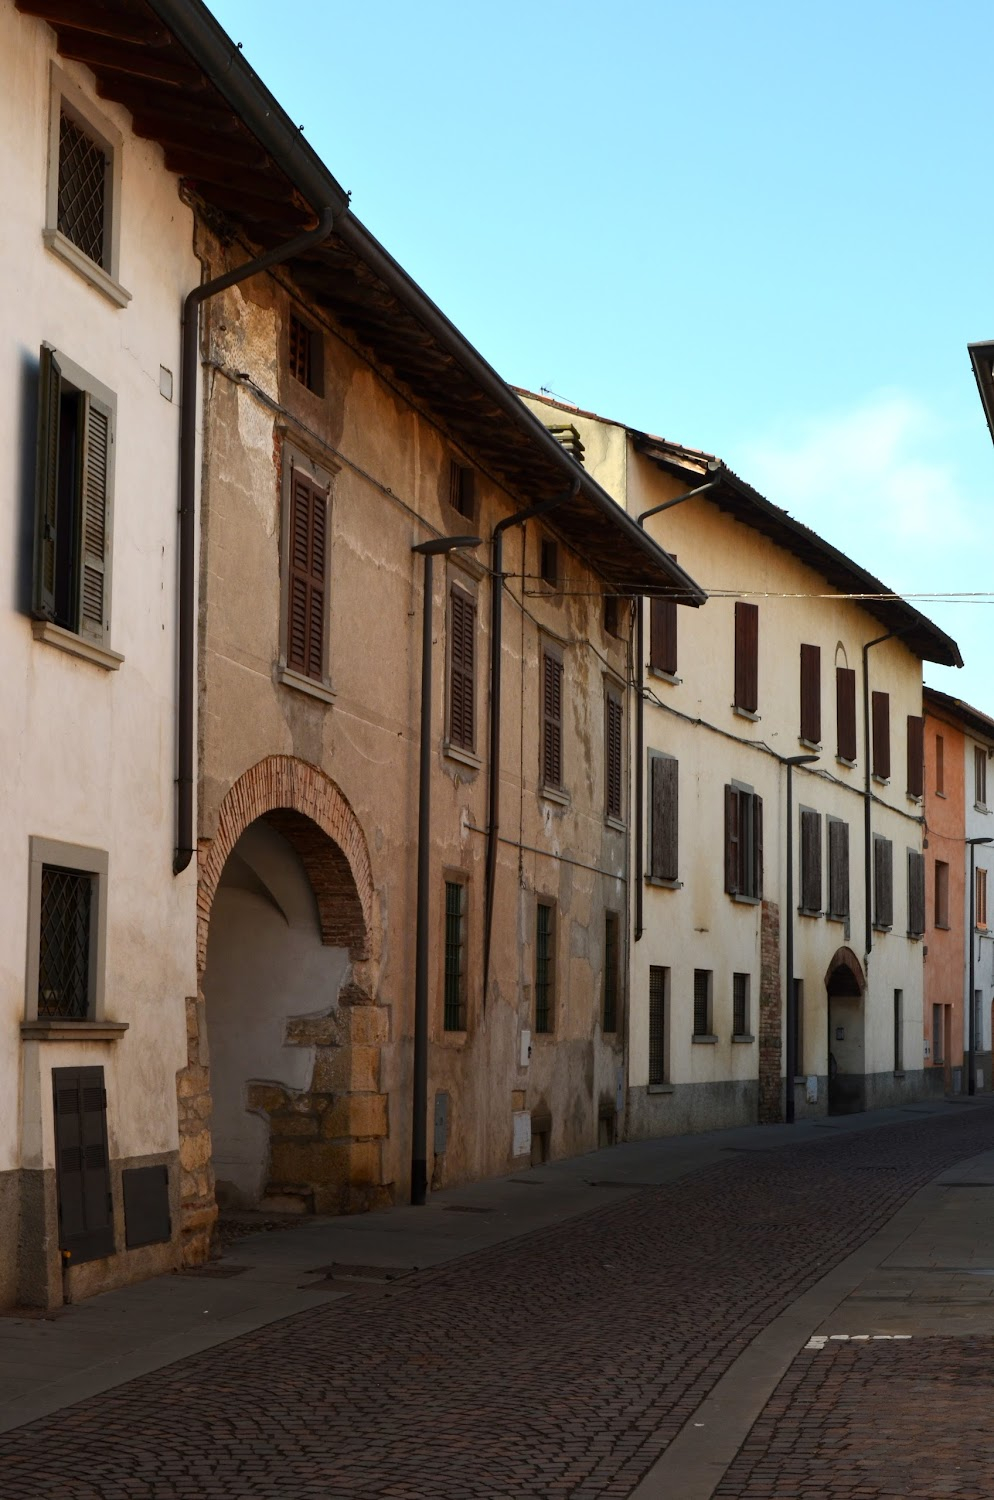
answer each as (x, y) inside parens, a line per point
(778, 664)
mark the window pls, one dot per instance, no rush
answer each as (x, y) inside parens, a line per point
(980, 900)
(545, 966)
(743, 842)
(305, 355)
(83, 195)
(916, 893)
(662, 636)
(845, 712)
(66, 932)
(940, 767)
(702, 1002)
(552, 720)
(938, 1053)
(611, 928)
(613, 754)
(612, 614)
(880, 722)
(898, 1031)
(838, 868)
(83, 188)
(73, 502)
(663, 816)
(462, 490)
(916, 756)
(980, 777)
(883, 882)
(454, 1016)
(746, 657)
(305, 627)
(462, 678)
(811, 694)
(549, 561)
(659, 993)
(810, 861)
(796, 1067)
(740, 1005)
(941, 893)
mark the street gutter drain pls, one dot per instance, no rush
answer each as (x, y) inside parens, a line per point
(340, 1271)
(214, 1271)
(466, 1208)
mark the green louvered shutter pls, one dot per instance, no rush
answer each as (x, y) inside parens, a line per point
(47, 481)
(94, 531)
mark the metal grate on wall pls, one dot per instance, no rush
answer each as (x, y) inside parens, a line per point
(64, 951)
(82, 190)
(455, 1019)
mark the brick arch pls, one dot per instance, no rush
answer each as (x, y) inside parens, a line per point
(314, 816)
(845, 958)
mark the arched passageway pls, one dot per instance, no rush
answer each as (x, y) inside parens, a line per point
(845, 984)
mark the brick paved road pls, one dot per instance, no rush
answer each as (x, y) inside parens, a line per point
(557, 1365)
(875, 1421)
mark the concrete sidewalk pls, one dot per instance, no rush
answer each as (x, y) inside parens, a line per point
(49, 1363)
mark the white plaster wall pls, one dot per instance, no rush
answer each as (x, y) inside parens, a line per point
(88, 754)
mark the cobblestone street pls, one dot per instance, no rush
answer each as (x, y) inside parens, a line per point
(565, 1362)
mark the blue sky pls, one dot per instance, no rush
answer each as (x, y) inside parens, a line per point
(762, 228)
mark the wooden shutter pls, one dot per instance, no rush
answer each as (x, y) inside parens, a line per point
(838, 868)
(940, 769)
(613, 755)
(94, 574)
(883, 882)
(305, 606)
(880, 720)
(845, 710)
(664, 828)
(47, 483)
(662, 635)
(811, 694)
(552, 720)
(810, 860)
(757, 846)
(462, 681)
(86, 1215)
(746, 656)
(733, 840)
(916, 756)
(916, 892)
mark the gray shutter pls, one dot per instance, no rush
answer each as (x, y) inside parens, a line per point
(883, 882)
(86, 1216)
(810, 860)
(916, 893)
(880, 721)
(838, 868)
(94, 529)
(733, 861)
(46, 483)
(664, 836)
(757, 846)
(845, 703)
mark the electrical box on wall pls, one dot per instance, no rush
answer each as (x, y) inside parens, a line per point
(526, 1049)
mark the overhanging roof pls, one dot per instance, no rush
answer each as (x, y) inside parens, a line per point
(189, 88)
(982, 359)
(969, 717)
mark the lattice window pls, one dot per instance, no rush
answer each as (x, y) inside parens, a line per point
(64, 946)
(82, 200)
(455, 986)
(544, 968)
(702, 1002)
(300, 352)
(658, 983)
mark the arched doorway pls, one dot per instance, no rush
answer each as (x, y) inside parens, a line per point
(846, 986)
(281, 1104)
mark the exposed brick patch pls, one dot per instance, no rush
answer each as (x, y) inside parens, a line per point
(195, 1105)
(770, 1012)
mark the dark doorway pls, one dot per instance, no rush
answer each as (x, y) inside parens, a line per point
(846, 1075)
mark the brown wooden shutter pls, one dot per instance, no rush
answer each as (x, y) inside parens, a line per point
(305, 608)
(94, 528)
(662, 635)
(916, 892)
(462, 647)
(613, 755)
(552, 720)
(940, 769)
(883, 882)
(665, 825)
(880, 720)
(811, 694)
(757, 846)
(46, 483)
(845, 709)
(916, 756)
(810, 860)
(838, 868)
(746, 656)
(86, 1217)
(733, 857)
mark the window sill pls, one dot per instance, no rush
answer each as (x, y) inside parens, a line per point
(981, 807)
(615, 823)
(664, 884)
(742, 1036)
(302, 684)
(812, 745)
(453, 1038)
(659, 1088)
(842, 760)
(915, 797)
(744, 900)
(883, 927)
(704, 1040)
(941, 794)
(880, 780)
(554, 794)
(836, 916)
(810, 911)
(746, 713)
(898, 1072)
(51, 1029)
(464, 757)
(915, 937)
(662, 676)
(542, 1036)
(87, 268)
(942, 926)
(75, 645)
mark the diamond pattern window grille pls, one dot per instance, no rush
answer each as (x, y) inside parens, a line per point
(82, 189)
(455, 1016)
(64, 959)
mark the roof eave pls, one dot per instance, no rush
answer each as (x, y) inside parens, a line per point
(982, 359)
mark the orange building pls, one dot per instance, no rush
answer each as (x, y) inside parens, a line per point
(945, 888)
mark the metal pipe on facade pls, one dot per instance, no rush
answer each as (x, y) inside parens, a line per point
(186, 664)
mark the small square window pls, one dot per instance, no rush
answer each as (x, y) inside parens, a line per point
(549, 561)
(82, 203)
(305, 355)
(462, 490)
